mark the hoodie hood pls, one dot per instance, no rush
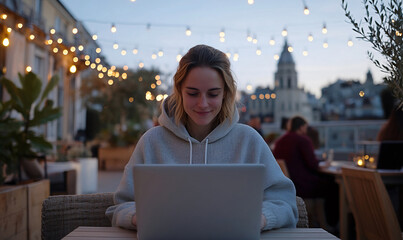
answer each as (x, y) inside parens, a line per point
(168, 121)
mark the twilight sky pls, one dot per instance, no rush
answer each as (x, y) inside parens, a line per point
(159, 25)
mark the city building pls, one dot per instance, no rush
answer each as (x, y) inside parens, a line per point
(286, 99)
(351, 99)
(43, 37)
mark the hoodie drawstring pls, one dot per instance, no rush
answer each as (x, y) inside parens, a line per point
(205, 152)
(191, 152)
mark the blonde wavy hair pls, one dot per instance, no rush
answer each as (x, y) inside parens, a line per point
(203, 56)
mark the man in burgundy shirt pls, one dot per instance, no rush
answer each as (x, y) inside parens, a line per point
(297, 150)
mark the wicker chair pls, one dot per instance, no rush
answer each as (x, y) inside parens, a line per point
(62, 214)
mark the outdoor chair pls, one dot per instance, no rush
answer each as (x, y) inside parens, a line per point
(369, 201)
(64, 213)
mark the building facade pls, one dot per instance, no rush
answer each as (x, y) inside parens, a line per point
(351, 99)
(43, 37)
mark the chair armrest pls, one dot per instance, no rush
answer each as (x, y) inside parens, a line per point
(62, 214)
(303, 221)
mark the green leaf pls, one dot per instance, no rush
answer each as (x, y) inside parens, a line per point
(51, 84)
(31, 89)
(40, 143)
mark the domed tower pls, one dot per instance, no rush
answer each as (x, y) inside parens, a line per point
(290, 100)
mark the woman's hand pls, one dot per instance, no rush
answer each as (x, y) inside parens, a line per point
(134, 220)
(263, 222)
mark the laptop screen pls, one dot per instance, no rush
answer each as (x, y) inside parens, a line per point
(215, 201)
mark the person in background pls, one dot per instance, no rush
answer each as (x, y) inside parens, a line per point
(313, 135)
(199, 125)
(297, 150)
(254, 122)
(392, 130)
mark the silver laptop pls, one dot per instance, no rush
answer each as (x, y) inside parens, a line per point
(217, 201)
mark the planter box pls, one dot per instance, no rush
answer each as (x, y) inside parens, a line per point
(20, 210)
(114, 158)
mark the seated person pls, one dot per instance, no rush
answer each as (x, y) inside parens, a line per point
(199, 125)
(297, 150)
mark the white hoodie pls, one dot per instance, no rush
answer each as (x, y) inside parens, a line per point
(229, 142)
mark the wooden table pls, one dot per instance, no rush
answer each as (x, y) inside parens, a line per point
(389, 177)
(103, 233)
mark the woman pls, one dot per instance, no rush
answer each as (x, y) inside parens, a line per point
(199, 125)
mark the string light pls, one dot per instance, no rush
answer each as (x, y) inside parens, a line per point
(135, 50)
(272, 41)
(178, 57)
(72, 49)
(276, 57)
(6, 42)
(325, 44)
(73, 68)
(59, 40)
(284, 33)
(75, 59)
(258, 52)
(188, 32)
(222, 35)
(94, 37)
(52, 31)
(123, 52)
(115, 46)
(350, 43)
(98, 50)
(28, 69)
(324, 29)
(31, 36)
(80, 48)
(361, 93)
(228, 54)
(254, 39)
(398, 33)
(9, 30)
(290, 49)
(20, 25)
(306, 10)
(160, 53)
(87, 57)
(113, 28)
(310, 37)
(3, 16)
(65, 52)
(74, 31)
(305, 53)
(248, 37)
(154, 56)
(236, 57)
(141, 65)
(250, 2)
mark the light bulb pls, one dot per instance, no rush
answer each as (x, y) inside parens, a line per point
(113, 28)
(188, 32)
(306, 10)
(6, 42)
(284, 32)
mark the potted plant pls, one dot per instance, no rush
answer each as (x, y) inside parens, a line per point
(27, 108)
(383, 29)
(34, 109)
